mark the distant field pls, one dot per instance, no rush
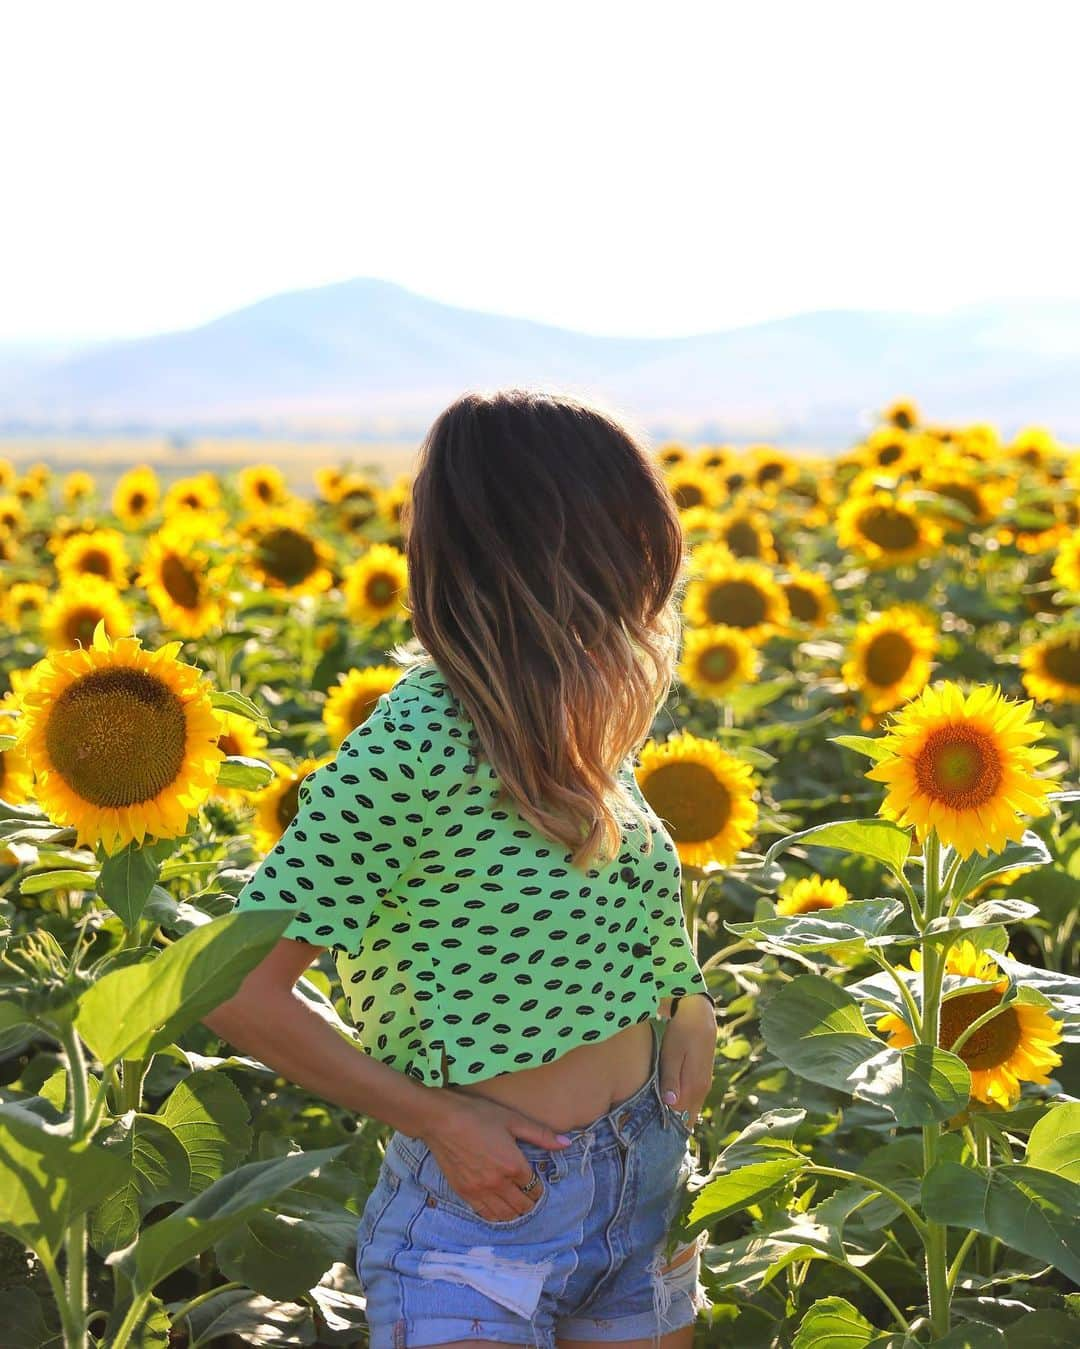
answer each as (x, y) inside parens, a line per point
(173, 457)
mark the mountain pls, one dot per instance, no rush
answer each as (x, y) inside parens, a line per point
(377, 359)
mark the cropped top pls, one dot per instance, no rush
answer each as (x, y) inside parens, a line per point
(462, 934)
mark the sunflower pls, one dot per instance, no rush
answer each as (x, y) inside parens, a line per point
(673, 454)
(78, 607)
(358, 499)
(262, 485)
(1012, 1047)
(690, 485)
(704, 795)
(392, 502)
(122, 741)
(891, 448)
(276, 804)
(33, 485)
(1052, 668)
(714, 456)
(1067, 563)
(78, 487)
(376, 585)
(7, 474)
(980, 497)
(903, 413)
(239, 737)
(716, 660)
(738, 594)
(1032, 446)
(136, 496)
(890, 658)
(25, 599)
(183, 587)
(811, 894)
(351, 701)
(745, 533)
(199, 493)
(285, 557)
(100, 553)
(12, 515)
(965, 766)
(770, 469)
(16, 777)
(808, 596)
(328, 480)
(885, 529)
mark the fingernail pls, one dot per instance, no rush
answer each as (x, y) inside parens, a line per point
(562, 1138)
(670, 1097)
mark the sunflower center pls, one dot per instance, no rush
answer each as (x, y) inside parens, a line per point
(740, 604)
(180, 582)
(137, 502)
(79, 624)
(360, 709)
(888, 658)
(992, 1044)
(813, 904)
(890, 529)
(287, 555)
(688, 494)
(803, 603)
(743, 539)
(117, 737)
(718, 662)
(690, 798)
(958, 767)
(3, 768)
(769, 473)
(966, 496)
(889, 454)
(380, 589)
(288, 803)
(1063, 662)
(263, 490)
(96, 562)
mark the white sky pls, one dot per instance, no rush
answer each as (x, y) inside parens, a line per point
(649, 168)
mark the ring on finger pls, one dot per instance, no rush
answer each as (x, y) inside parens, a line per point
(528, 1189)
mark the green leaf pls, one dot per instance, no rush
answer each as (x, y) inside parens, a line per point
(197, 1225)
(988, 914)
(833, 1323)
(228, 700)
(880, 840)
(255, 1319)
(735, 1190)
(1042, 1330)
(817, 1030)
(136, 1010)
(22, 1321)
(46, 1180)
(1031, 851)
(285, 1250)
(157, 1172)
(126, 879)
(1054, 1142)
(872, 748)
(971, 1337)
(848, 924)
(7, 742)
(246, 774)
(209, 1118)
(1035, 1212)
(41, 882)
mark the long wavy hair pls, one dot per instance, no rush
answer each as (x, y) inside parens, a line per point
(545, 571)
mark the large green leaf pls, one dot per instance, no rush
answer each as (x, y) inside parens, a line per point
(22, 1321)
(286, 1249)
(971, 1337)
(833, 1323)
(1035, 1212)
(134, 1011)
(126, 879)
(255, 1319)
(46, 1180)
(1031, 851)
(825, 929)
(734, 1191)
(197, 1225)
(42, 882)
(869, 746)
(880, 840)
(157, 1172)
(247, 774)
(228, 700)
(209, 1118)
(816, 1029)
(1054, 1142)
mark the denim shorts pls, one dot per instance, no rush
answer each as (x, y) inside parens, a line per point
(585, 1262)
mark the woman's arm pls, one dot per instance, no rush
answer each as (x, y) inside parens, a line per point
(268, 1020)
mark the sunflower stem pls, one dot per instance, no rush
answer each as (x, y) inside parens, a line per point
(933, 968)
(75, 1330)
(905, 992)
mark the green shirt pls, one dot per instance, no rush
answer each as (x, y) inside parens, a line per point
(458, 927)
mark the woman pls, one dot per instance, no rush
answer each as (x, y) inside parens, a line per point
(505, 906)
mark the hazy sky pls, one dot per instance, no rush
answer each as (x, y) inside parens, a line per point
(617, 167)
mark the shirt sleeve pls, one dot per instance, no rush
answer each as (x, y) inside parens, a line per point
(356, 830)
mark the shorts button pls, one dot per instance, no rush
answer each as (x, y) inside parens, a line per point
(624, 1116)
(431, 1201)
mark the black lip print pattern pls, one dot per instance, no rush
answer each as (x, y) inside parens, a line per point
(457, 927)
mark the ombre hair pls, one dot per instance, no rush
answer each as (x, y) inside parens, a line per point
(545, 559)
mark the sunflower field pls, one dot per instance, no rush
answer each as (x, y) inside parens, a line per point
(869, 764)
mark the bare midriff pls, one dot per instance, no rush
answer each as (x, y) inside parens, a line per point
(580, 1085)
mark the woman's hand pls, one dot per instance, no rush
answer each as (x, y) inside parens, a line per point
(688, 1054)
(474, 1143)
